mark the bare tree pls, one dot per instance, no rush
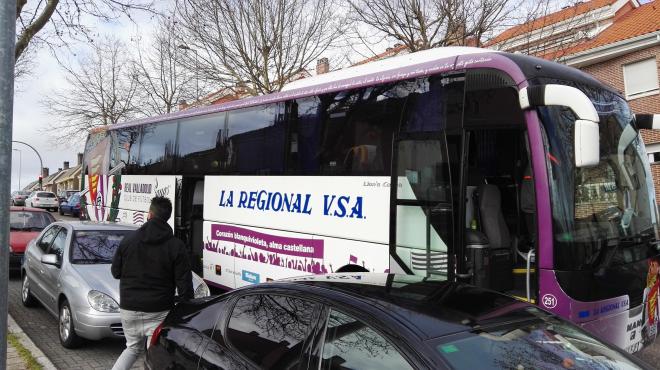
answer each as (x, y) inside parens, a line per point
(100, 91)
(259, 45)
(54, 21)
(425, 24)
(162, 80)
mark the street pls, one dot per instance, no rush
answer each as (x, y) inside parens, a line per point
(42, 329)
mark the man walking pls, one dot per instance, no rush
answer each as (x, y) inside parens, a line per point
(149, 263)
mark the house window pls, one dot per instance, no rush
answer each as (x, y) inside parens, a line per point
(641, 78)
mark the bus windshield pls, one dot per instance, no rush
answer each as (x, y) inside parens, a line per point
(599, 210)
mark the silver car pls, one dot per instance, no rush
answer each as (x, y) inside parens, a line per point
(67, 270)
(43, 199)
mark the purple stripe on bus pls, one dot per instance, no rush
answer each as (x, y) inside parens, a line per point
(481, 60)
(541, 187)
(603, 318)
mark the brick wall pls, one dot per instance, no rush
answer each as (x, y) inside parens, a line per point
(611, 73)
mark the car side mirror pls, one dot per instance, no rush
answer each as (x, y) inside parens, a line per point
(50, 259)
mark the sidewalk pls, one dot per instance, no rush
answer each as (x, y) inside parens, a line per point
(37, 359)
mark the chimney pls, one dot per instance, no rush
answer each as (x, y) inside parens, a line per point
(66, 165)
(59, 170)
(44, 174)
(322, 66)
(80, 158)
(183, 105)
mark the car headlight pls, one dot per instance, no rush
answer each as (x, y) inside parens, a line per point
(102, 302)
(201, 289)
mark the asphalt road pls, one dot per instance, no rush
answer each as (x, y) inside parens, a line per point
(42, 328)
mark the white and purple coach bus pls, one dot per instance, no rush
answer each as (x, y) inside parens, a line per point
(510, 172)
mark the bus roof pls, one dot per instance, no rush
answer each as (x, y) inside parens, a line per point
(422, 63)
(396, 62)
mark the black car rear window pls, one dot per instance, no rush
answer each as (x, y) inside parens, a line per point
(95, 246)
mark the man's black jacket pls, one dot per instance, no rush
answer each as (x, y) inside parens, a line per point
(150, 263)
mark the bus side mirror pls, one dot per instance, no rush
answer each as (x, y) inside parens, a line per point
(586, 143)
(586, 136)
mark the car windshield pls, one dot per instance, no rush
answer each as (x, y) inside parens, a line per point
(95, 246)
(29, 221)
(45, 195)
(542, 343)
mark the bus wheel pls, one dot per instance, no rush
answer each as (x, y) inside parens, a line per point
(352, 268)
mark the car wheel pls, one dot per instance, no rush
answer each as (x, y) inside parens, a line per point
(27, 298)
(68, 336)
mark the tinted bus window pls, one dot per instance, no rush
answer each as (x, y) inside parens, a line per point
(358, 130)
(97, 151)
(157, 148)
(255, 141)
(200, 141)
(306, 123)
(125, 149)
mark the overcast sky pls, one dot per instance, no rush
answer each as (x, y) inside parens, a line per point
(31, 118)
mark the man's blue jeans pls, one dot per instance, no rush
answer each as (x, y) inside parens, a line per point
(137, 326)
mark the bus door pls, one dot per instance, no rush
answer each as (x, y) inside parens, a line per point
(190, 219)
(422, 212)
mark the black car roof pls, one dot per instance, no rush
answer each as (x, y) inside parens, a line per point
(433, 307)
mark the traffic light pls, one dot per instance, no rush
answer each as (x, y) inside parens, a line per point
(40, 182)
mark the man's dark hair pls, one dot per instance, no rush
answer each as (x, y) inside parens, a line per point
(161, 208)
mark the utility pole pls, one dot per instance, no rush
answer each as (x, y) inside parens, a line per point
(7, 36)
(186, 47)
(41, 162)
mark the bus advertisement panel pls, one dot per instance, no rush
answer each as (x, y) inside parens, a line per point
(126, 198)
(258, 231)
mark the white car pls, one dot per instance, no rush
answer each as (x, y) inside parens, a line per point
(43, 199)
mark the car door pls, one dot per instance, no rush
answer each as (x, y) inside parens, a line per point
(34, 268)
(263, 331)
(51, 282)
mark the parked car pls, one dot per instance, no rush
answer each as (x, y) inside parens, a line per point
(42, 199)
(372, 321)
(65, 194)
(67, 270)
(25, 224)
(71, 205)
(18, 197)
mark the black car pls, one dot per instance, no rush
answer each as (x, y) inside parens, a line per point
(372, 321)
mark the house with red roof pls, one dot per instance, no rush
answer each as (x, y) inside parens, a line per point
(617, 41)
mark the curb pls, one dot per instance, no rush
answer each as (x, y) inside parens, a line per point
(41, 358)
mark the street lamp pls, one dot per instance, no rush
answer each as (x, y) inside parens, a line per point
(41, 163)
(20, 165)
(186, 47)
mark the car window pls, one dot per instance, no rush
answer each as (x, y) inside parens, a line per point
(47, 238)
(271, 330)
(57, 247)
(351, 344)
(95, 246)
(29, 220)
(45, 195)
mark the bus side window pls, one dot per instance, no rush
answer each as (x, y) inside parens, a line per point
(200, 145)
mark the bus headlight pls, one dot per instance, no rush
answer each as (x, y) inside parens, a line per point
(102, 302)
